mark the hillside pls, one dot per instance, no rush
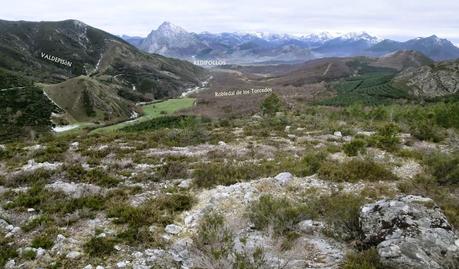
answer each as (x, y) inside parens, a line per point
(402, 59)
(438, 79)
(24, 46)
(24, 112)
(85, 99)
(304, 186)
(93, 75)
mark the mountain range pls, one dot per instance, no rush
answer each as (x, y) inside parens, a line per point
(243, 48)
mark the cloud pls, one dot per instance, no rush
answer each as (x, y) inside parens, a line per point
(386, 18)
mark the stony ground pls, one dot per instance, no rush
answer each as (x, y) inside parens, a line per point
(243, 196)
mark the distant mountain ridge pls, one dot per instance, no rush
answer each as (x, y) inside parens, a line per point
(242, 48)
(434, 47)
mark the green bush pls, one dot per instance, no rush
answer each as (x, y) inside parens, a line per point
(213, 237)
(35, 197)
(271, 105)
(51, 202)
(341, 212)
(140, 235)
(7, 250)
(172, 170)
(355, 170)
(207, 175)
(387, 137)
(39, 176)
(53, 152)
(97, 176)
(42, 220)
(427, 131)
(99, 246)
(367, 259)
(158, 210)
(44, 240)
(29, 254)
(444, 167)
(355, 147)
(100, 177)
(278, 214)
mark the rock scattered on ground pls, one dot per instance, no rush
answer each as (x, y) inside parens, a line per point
(410, 232)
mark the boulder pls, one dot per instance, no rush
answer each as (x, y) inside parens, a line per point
(173, 229)
(73, 255)
(75, 190)
(284, 178)
(410, 232)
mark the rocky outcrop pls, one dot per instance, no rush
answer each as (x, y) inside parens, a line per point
(410, 232)
(75, 190)
(432, 80)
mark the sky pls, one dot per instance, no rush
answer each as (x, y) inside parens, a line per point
(395, 19)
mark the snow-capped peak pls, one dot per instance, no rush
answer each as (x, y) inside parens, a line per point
(360, 36)
(322, 36)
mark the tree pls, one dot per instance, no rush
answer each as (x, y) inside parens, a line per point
(271, 105)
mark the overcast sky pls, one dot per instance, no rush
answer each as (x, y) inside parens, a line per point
(396, 19)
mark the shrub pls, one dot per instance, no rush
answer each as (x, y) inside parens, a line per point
(100, 177)
(427, 131)
(42, 220)
(278, 214)
(159, 210)
(355, 147)
(308, 165)
(99, 246)
(97, 176)
(53, 152)
(213, 237)
(54, 202)
(367, 259)
(387, 137)
(207, 175)
(341, 212)
(64, 205)
(444, 167)
(7, 250)
(172, 170)
(211, 174)
(134, 235)
(34, 197)
(44, 240)
(271, 105)
(355, 170)
(29, 254)
(39, 176)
